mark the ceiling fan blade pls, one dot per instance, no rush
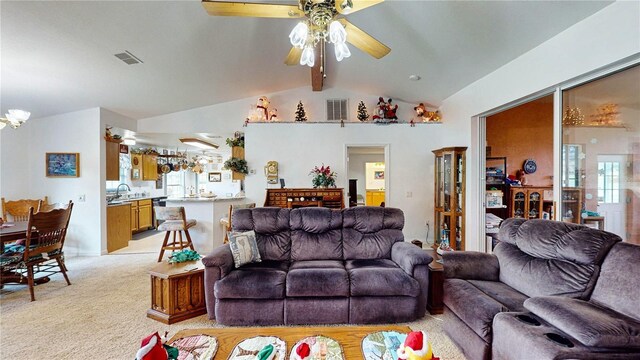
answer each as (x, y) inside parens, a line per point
(294, 56)
(224, 8)
(364, 41)
(345, 7)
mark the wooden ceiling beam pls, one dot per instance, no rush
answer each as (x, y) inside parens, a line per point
(317, 71)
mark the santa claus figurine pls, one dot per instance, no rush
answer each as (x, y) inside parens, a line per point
(151, 348)
(416, 347)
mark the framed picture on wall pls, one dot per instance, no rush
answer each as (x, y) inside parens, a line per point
(378, 175)
(63, 164)
(215, 177)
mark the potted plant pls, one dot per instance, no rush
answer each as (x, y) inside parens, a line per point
(323, 177)
(236, 165)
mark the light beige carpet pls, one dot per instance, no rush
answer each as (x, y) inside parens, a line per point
(102, 315)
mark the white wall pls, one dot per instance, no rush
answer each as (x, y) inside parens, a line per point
(72, 132)
(608, 36)
(14, 163)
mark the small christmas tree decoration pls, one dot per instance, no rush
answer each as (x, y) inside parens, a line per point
(362, 112)
(301, 115)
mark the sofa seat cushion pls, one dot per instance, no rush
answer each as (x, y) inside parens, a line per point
(370, 263)
(383, 280)
(322, 278)
(587, 322)
(251, 283)
(473, 306)
(503, 293)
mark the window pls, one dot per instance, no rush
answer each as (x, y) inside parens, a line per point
(175, 183)
(608, 182)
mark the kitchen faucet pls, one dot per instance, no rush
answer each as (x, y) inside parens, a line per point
(118, 189)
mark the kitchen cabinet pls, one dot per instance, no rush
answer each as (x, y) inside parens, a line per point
(113, 160)
(374, 197)
(118, 226)
(529, 202)
(144, 167)
(449, 196)
(149, 167)
(141, 215)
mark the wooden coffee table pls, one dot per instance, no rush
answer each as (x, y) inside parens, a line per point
(349, 337)
(177, 291)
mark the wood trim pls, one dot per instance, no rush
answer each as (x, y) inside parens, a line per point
(317, 71)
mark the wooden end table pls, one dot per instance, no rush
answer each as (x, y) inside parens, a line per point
(436, 280)
(177, 291)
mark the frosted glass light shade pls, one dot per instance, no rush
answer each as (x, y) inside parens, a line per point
(17, 117)
(298, 36)
(308, 57)
(342, 51)
(337, 34)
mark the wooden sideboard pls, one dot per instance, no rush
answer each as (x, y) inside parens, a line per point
(287, 198)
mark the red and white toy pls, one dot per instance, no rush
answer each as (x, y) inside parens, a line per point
(416, 347)
(151, 348)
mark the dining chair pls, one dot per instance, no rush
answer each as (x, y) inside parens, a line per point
(226, 221)
(19, 209)
(44, 242)
(43, 206)
(175, 221)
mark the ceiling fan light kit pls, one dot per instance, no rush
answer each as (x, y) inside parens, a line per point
(14, 118)
(324, 23)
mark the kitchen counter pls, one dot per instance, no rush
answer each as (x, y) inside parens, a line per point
(205, 199)
(208, 233)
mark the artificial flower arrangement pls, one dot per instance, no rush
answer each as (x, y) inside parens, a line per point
(323, 177)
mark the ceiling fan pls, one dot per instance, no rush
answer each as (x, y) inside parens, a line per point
(323, 22)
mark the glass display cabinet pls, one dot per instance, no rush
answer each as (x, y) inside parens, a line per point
(449, 197)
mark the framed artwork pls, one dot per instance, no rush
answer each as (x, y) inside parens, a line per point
(63, 164)
(215, 177)
(378, 175)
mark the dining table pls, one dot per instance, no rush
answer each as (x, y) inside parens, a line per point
(9, 233)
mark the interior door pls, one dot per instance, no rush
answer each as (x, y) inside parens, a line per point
(612, 192)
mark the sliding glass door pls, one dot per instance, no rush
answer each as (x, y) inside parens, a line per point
(601, 154)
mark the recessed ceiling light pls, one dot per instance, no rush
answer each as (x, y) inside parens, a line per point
(199, 143)
(414, 77)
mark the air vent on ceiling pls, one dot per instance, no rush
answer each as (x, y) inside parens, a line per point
(337, 109)
(128, 58)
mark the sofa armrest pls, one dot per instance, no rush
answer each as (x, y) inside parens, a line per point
(470, 265)
(407, 256)
(222, 258)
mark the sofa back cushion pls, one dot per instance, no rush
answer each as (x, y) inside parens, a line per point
(369, 232)
(316, 234)
(543, 258)
(618, 286)
(271, 226)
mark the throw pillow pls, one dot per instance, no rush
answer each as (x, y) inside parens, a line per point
(244, 248)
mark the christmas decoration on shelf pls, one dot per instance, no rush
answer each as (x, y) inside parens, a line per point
(424, 115)
(301, 115)
(606, 115)
(273, 114)
(573, 117)
(261, 107)
(362, 112)
(261, 112)
(385, 112)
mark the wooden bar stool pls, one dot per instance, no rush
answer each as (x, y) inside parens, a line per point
(175, 221)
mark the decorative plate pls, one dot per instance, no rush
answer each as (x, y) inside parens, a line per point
(197, 347)
(530, 166)
(249, 348)
(382, 345)
(316, 348)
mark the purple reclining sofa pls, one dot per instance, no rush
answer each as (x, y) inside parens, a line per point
(319, 266)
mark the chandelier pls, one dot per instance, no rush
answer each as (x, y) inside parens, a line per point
(319, 26)
(14, 118)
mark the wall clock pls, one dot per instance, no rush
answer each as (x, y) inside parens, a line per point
(530, 166)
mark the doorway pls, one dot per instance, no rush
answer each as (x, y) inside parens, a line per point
(612, 192)
(368, 175)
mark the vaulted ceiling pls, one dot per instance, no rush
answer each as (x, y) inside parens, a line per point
(59, 56)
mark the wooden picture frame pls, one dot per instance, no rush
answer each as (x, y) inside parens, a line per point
(215, 177)
(62, 164)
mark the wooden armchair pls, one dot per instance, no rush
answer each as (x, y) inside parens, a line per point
(46, 232)
(19, 209)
